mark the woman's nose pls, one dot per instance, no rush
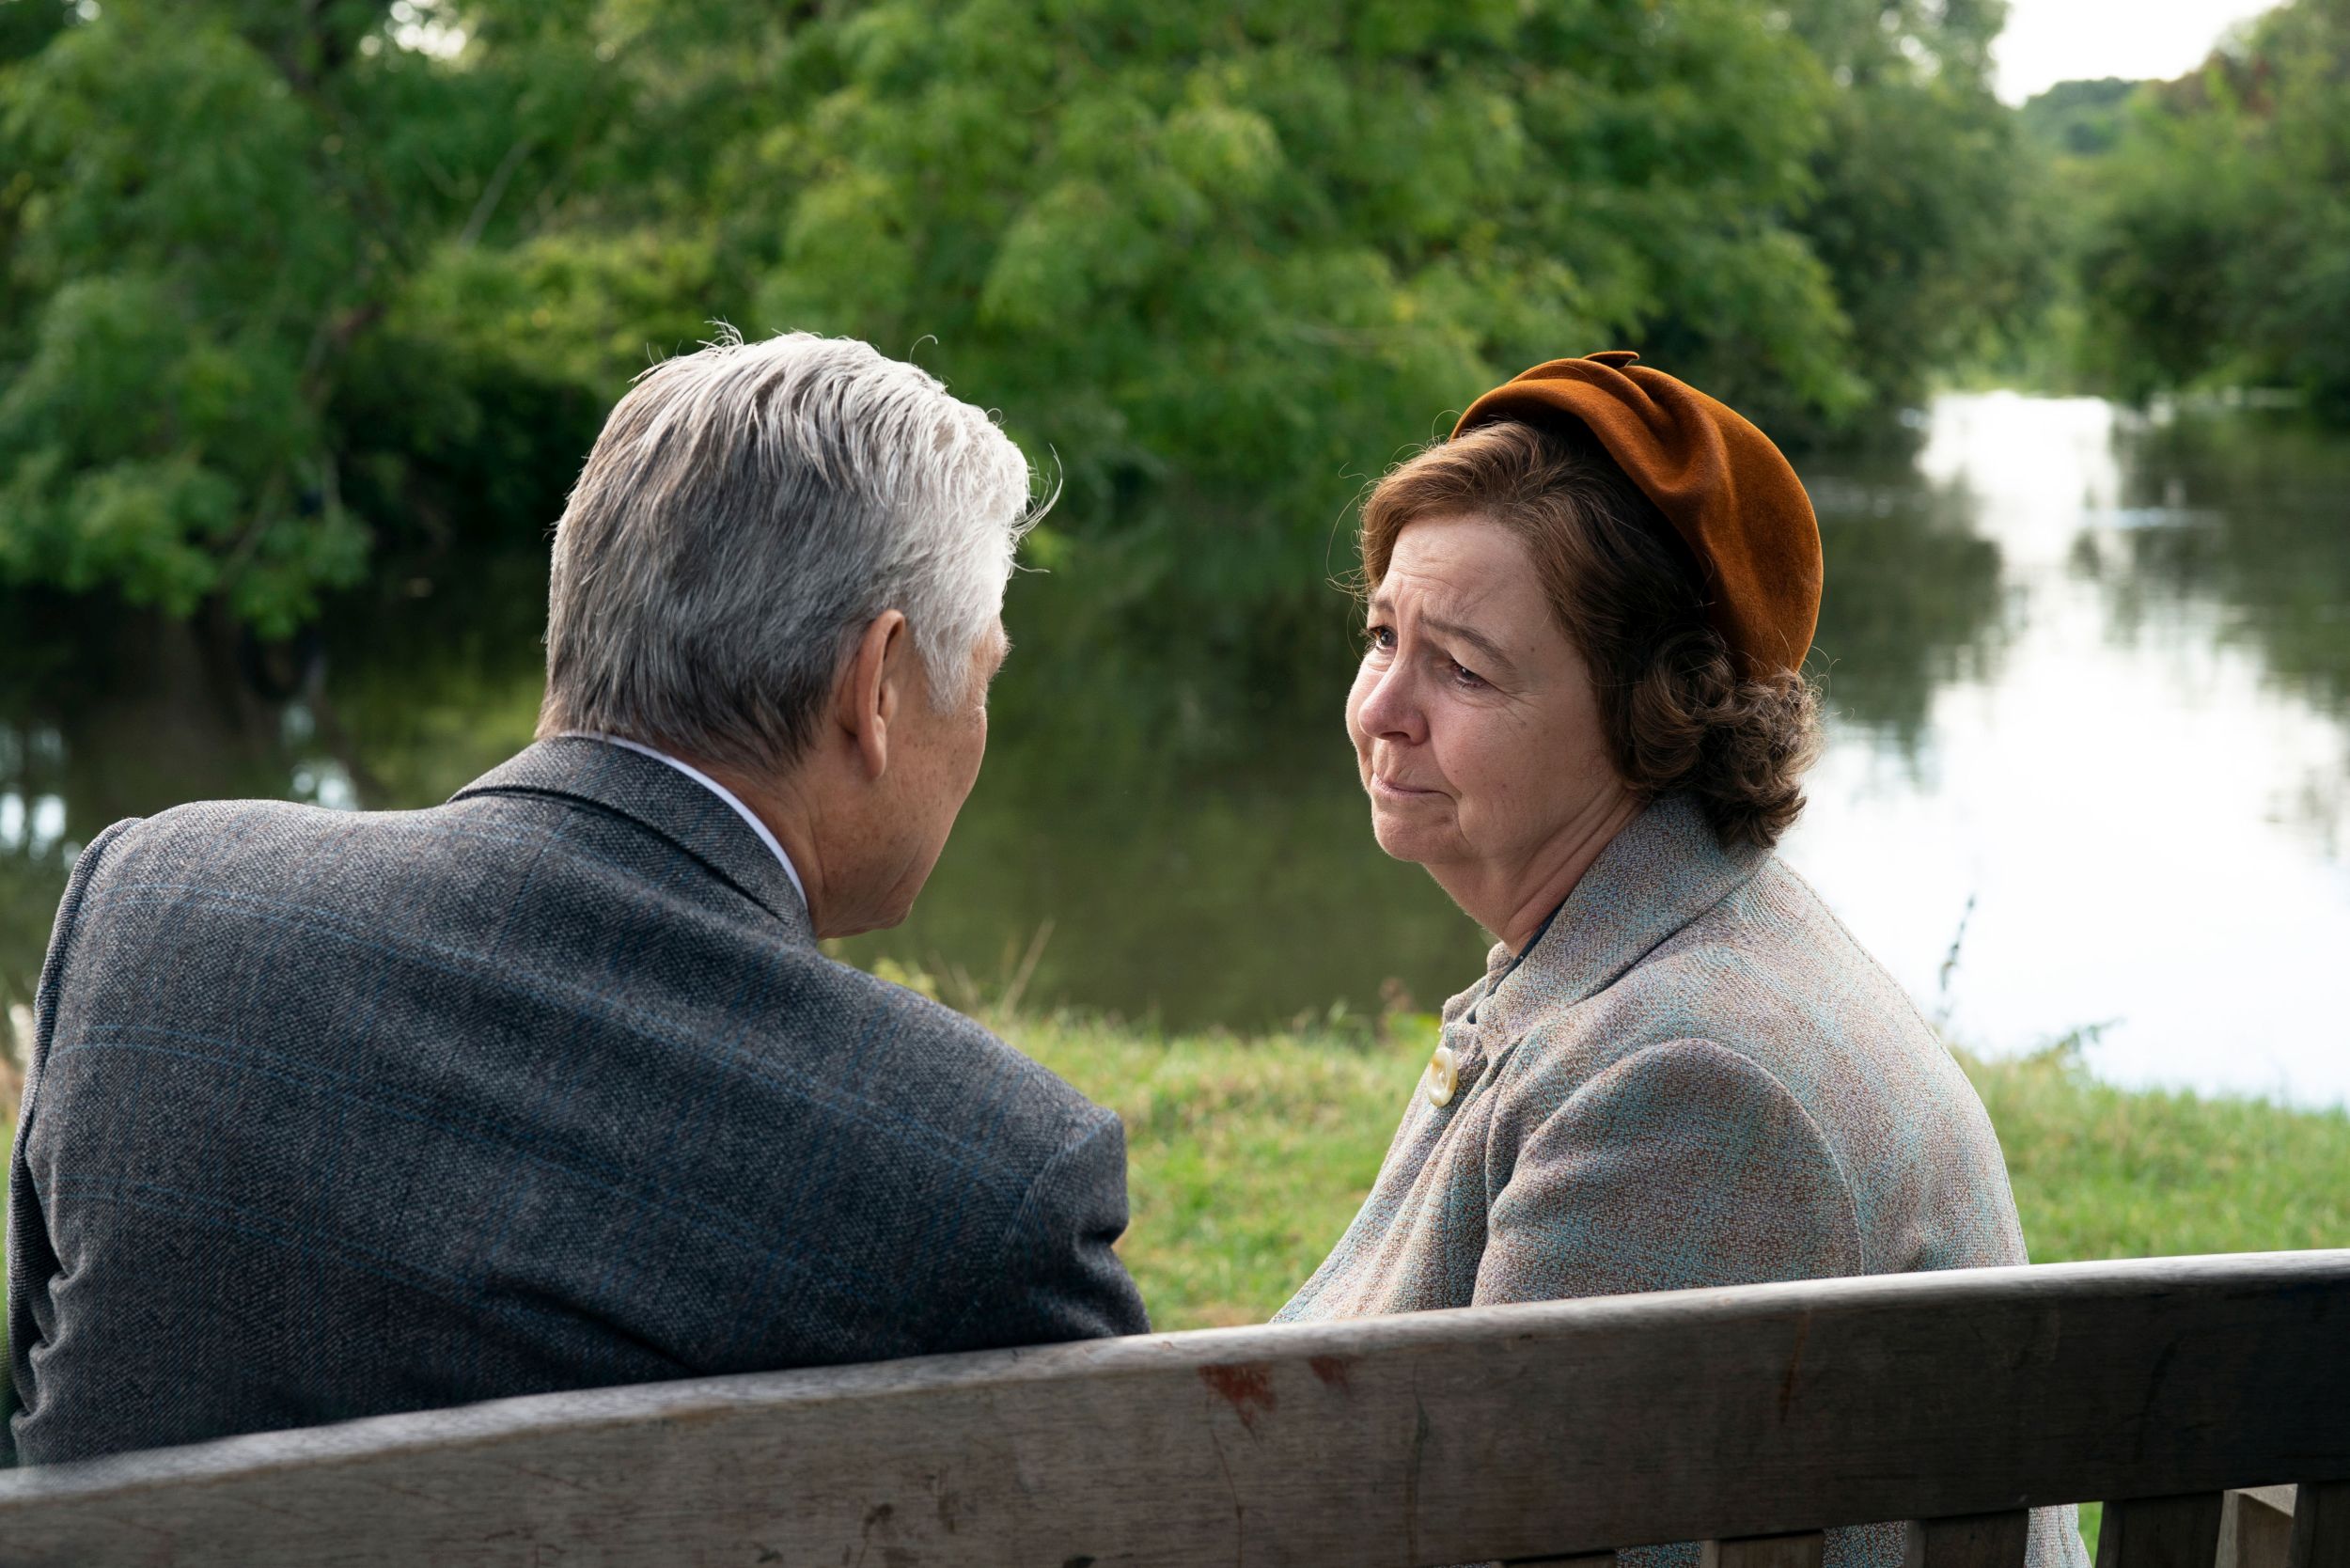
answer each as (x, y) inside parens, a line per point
(1387, 708)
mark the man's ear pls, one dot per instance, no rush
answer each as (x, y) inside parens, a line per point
(872, 688)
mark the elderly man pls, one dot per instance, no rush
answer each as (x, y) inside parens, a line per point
(550, 1086)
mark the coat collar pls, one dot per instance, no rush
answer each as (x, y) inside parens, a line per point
(1661, 873)
(587, 772)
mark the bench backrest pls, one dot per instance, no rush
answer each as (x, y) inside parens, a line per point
(1538, 1432)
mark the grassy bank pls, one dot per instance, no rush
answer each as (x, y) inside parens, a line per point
(1250, 1157)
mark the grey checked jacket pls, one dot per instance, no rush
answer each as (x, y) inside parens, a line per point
(1696, 1077)
(333, 1114)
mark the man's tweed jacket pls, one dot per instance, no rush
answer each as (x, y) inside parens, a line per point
(1696, 1077)
(333, 1114)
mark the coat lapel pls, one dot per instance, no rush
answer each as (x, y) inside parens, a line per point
(1658, 874)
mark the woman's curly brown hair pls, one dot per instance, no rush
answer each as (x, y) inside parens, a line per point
(1679, 716)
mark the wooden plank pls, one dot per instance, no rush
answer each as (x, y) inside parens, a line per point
(1971, 1540)
(1801, 1549)
(1580, 1559)
(2321, 1523)
(2180, 1531)
(2256, 1528)
(1553, 1429)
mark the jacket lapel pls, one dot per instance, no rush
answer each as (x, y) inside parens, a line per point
(588, 773)
(1658, 874)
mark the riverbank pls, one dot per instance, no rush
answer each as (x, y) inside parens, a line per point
(1249, 1156)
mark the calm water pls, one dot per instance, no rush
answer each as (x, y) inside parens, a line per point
(2090, 772)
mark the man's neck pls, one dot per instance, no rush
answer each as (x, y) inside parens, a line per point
(789, 813)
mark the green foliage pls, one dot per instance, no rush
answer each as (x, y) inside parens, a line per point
(278, 282)
(1924, 207)
(2079, 119)
(2222, 254)
(1259, 256)
(219, 219)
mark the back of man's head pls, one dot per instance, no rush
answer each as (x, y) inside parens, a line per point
(747, 512)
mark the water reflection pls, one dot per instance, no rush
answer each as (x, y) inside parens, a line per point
(2091, 677)
(1913, 600)
(2140, 802)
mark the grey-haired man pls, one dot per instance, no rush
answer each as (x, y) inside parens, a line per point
(331, 1115)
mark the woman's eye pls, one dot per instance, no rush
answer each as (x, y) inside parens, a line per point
(1465, 676)
(1379, 638)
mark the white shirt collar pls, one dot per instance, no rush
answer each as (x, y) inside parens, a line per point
(765, 837)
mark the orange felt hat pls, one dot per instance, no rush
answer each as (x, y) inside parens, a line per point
(1727, 491)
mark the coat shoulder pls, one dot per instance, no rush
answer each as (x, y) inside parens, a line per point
(387, 868)
(1772, 976)
(1770, 972)
(965, 1046)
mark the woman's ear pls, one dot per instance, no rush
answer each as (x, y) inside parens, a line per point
(871, 691)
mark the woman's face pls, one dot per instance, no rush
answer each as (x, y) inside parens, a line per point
(1473, 718)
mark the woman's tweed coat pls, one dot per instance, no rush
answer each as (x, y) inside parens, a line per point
(1696, 1077)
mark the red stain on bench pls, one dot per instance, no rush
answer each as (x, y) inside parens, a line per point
(1330, 1368)
(1246, 1388)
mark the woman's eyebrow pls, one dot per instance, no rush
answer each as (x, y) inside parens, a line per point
(1485, 647)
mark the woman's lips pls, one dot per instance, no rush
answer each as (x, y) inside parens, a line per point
(1380, 786)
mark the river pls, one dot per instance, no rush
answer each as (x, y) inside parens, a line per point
(2088, 777)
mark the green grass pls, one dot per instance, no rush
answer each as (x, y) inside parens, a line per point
(1249, 1156)
(1245, 1158)
(2105, 1172)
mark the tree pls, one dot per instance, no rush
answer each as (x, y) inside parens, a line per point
(278, 281)
(2219, 253)
(1924, 211)
(1258, 252)
(216, 210)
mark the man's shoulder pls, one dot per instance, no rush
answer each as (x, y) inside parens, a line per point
(217, 832)
(516, 925)
(212, 846)
(481, 849)
(929, 1048)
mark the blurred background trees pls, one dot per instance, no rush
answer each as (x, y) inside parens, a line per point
(2222, 254)
(280, 283)
(284, 284)
(310, 309)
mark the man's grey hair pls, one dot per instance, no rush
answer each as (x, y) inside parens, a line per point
(748, 511)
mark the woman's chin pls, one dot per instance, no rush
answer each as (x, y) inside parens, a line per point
(1402, 839)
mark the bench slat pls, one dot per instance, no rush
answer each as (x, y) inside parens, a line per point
(1801, 1549)
(2161, 1532)
(1971, 1540)
(2321, 1523)
(2256, 1528)
(1436, 1437)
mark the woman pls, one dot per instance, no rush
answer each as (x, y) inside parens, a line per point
(1580, 707)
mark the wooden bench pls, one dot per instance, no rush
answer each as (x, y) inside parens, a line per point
(1747, 1419)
